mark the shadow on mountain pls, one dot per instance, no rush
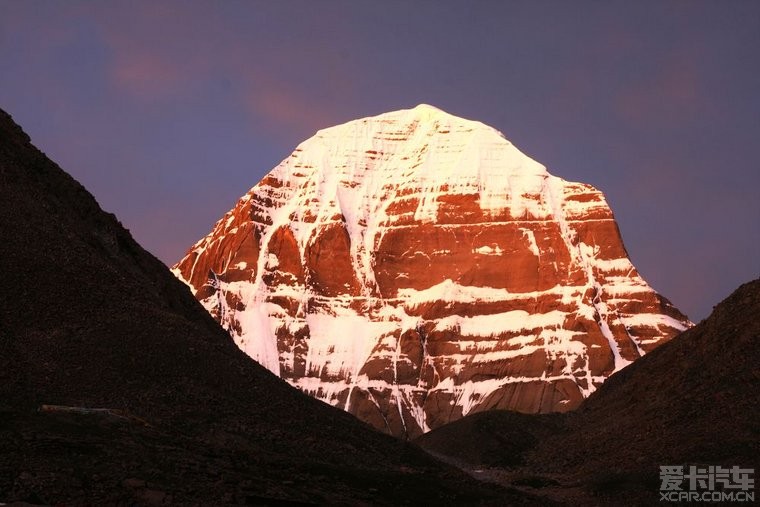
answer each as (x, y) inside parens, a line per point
(692, 401)
(89, 320)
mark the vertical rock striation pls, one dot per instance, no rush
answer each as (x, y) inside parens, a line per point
(415, 267)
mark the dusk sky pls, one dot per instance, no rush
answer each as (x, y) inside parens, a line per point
(168, 112)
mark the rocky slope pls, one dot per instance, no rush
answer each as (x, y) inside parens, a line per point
(693, 401)
(90, 320)
(415, 267)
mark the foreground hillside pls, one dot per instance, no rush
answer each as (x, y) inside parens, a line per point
(88, 319)
(692, 401)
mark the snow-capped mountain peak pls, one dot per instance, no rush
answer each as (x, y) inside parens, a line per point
(413, 267)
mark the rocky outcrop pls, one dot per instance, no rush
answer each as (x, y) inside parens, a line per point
(415, 267)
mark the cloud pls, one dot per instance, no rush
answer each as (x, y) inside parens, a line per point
(159, 54)
(288, 107)
(670, 96)
(144, 74)
(155, 48)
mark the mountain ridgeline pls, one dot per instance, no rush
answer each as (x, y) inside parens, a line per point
(415, 267)
(117, 387)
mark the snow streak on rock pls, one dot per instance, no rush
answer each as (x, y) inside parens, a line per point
(414, 267)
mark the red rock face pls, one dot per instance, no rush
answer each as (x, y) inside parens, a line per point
(415, 267)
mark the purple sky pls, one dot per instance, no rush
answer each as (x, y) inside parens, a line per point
(168, 112)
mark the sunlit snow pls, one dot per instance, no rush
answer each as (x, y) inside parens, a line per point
(349, 175)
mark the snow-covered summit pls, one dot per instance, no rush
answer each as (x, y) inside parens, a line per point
(423, 148)
(413, 267)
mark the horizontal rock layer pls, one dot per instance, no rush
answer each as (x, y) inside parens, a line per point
(415, 267)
